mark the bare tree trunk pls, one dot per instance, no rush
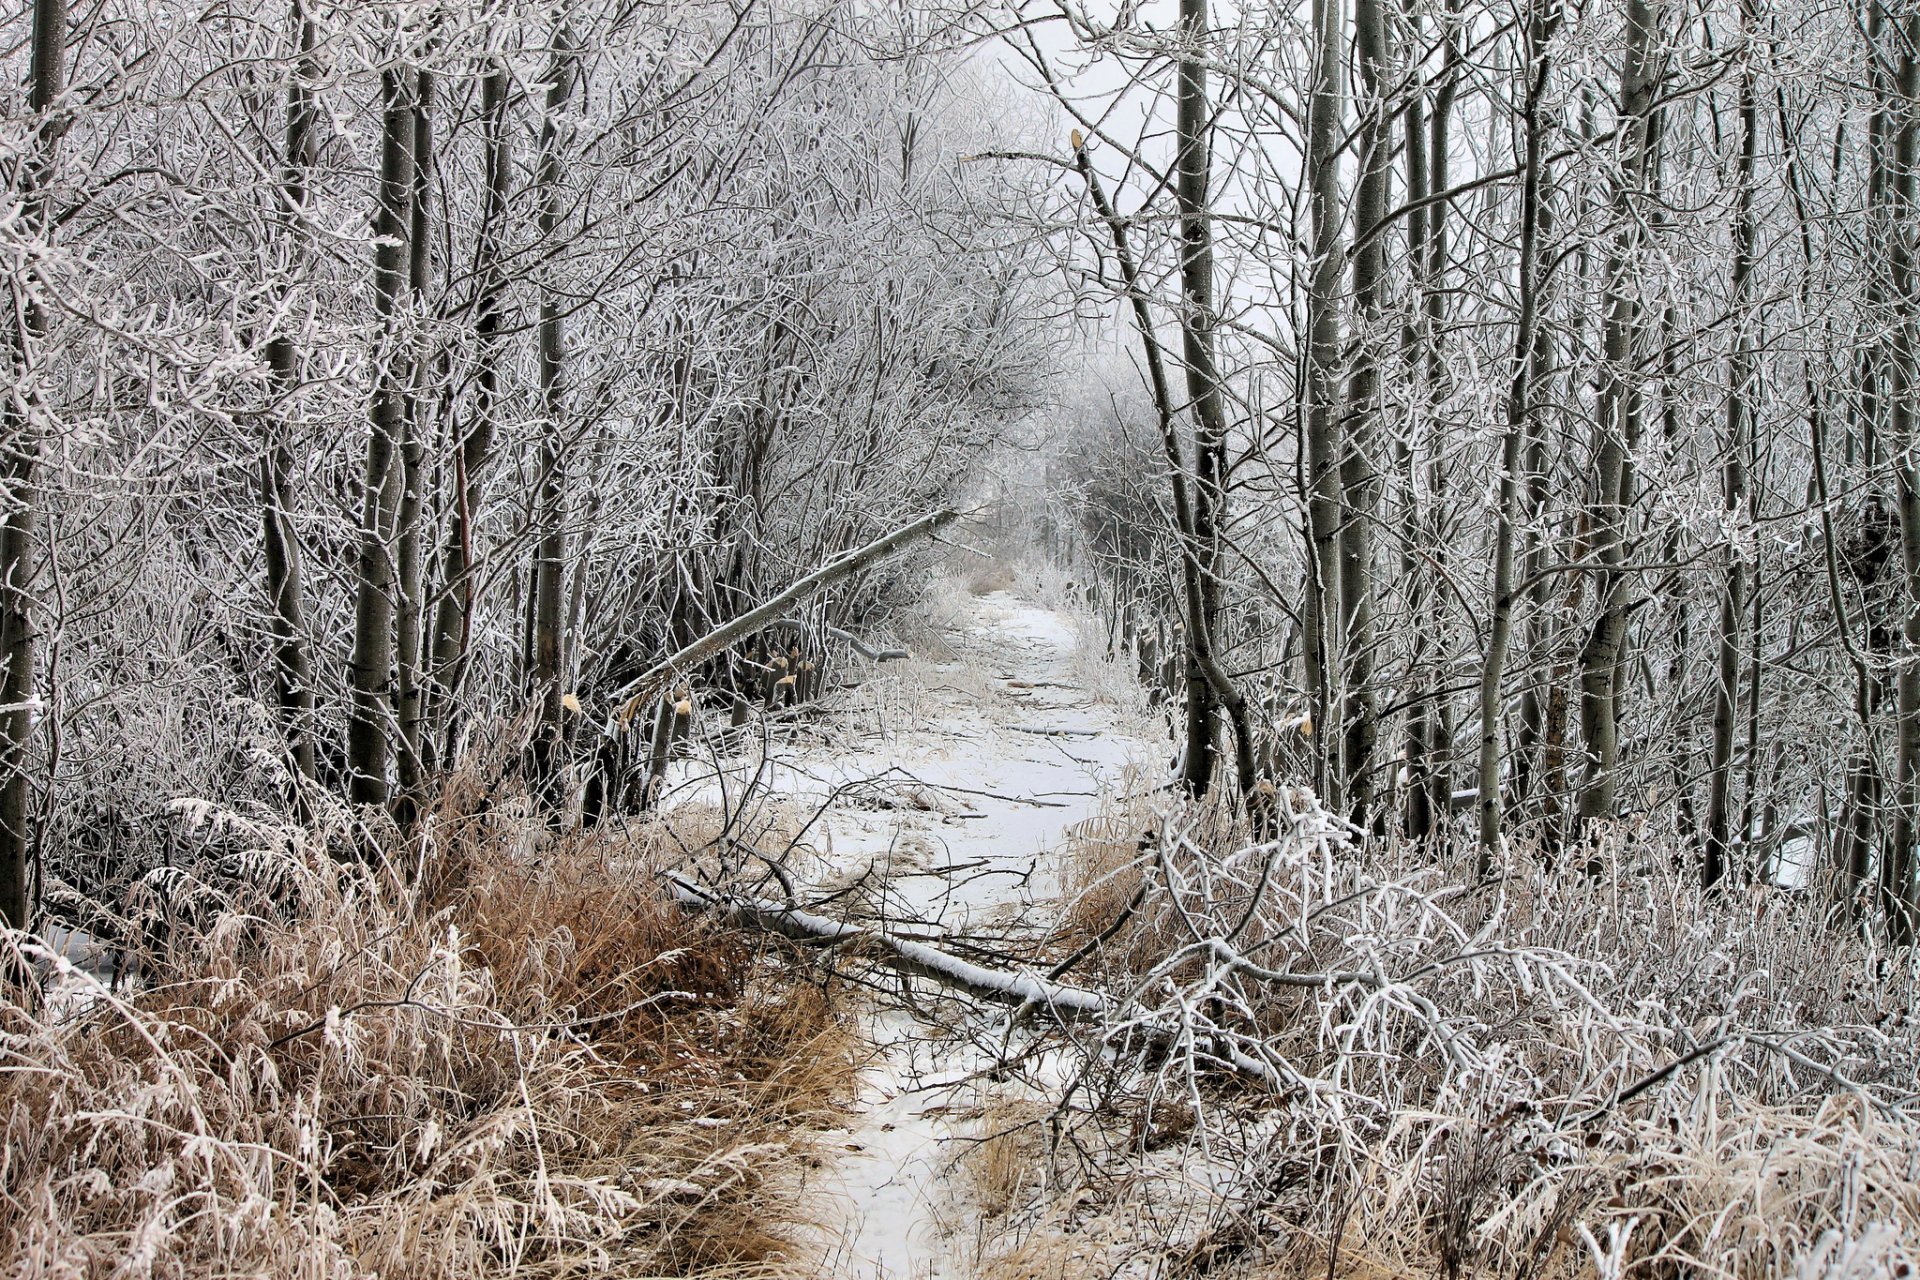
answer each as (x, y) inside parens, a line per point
(1853, 829)
(1198, 640)
(293, 666)
(1862, 822)
(1429, 791)
(293, 671)
(369, 746)
(409, 689)
(453, 616)
(1324, 644)
(1209, 409)
(1618, 426)
(1557, 709)
(1733, 584)
(46, 80)
(1520, 427)
(1360, 487)
(1530, 738)
(1899, 897)
(1417, 809)
(550, 558)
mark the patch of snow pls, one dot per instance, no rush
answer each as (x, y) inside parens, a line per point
(982, 804)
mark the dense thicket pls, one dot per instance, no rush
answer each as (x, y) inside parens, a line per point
(386, 378)
(1567, 356)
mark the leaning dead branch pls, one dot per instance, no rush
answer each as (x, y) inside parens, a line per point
(847, 638)
(650, 683)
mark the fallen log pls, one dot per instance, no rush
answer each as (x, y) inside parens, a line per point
(1027, 993)
(650, 683)
(1064, 1001)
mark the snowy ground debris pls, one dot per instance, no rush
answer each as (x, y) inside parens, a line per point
(901, 1207)
(980, 764)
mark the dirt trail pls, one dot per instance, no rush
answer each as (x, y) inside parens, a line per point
(1012, 750)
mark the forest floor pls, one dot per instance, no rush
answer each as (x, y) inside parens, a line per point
(374, 1055)
(939, 798)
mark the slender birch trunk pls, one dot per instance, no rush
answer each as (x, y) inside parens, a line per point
(1733, 482)
(1193, 594)
(1900, 898)
(550, 556)
(1430, 788)
(1541, 18)
(453, 615)
(286, 588)
(1209, 407)
(1324, 644)
(409, 702)
(1360, 486)
(1619, 424)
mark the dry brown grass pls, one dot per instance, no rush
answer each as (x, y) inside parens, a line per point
(504, 1068)
(1106, 859)
(1048, 1255)
(1010, 1158)
(1103, 870)
(998, 576)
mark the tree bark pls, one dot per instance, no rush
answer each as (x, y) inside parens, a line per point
(550, 558)
(1198, 638)
(409, 703)
(1733, 472)
(1619, 426)
(453, 614)
(1900, 899)
(46, 80)
(1197, 319)
(1429, 790)
(1853, 829)
(286, 590)
(370, 720)
(1520, 427)
(1360, 486)
(1324, 646)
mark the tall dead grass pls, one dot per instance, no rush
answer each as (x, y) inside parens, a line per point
(1575, 1070)
(511, 1067)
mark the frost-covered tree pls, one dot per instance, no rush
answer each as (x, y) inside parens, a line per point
(1566, 352)
(386, 375)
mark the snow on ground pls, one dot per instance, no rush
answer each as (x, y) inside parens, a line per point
(1033, 757)
(981, 764)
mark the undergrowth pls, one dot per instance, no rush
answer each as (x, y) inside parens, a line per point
(1339, 1057)
(509, 1066)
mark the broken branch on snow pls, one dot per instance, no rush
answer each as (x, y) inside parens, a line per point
(1061, 999)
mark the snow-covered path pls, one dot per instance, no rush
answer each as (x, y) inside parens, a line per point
(1013, 750)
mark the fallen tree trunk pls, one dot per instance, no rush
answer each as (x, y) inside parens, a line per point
(650, 683)
(1029, 994)
(1063, 1000)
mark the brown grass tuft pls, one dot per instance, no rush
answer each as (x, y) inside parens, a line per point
(526, 1069)
(997, 576)
(1010, 1156)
